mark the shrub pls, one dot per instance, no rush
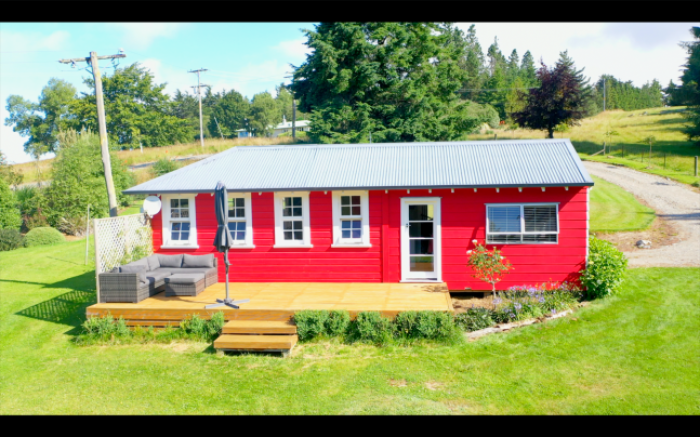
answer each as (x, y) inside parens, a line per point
(164, 166)
(195, 326)
(100, 326)
(434, 325)
(215, 324)
(605, 269)
(10, 239)
(43, 237)
(371, 326)
(78, 180)
(337, 323)
(310, 323)
(474, 319)
(10, 216)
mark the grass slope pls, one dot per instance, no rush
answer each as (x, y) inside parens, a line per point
(614, 209)
(635, 353)
(628, 147)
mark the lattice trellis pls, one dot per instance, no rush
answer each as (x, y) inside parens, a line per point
(119, 240)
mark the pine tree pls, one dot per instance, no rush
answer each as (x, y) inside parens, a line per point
(528, 72)
(397, 81)
(513, 69)
(591, 108)
(690, 80)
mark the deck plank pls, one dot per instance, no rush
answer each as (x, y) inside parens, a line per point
(255, 342)
(279, 301)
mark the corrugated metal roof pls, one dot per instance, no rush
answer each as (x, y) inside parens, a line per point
(503, 163)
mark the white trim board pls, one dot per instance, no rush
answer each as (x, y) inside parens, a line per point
(406, 275)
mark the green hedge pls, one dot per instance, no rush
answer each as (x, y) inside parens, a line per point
(43, 237)
(372, 327)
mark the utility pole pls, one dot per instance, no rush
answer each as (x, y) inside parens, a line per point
(294, 111)
(92, 60)
(199, 93)
(603, 94)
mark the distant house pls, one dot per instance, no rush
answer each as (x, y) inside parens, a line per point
(284, 127)
(398, 212)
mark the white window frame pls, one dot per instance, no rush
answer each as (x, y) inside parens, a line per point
(305, 215)
(191, 243)
(338, 240)
(248, 242)
(522, 224)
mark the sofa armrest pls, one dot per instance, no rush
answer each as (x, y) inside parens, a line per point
(118, 281)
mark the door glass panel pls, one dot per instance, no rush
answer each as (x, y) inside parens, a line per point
(421, 247)
(420, 230)
(420, 212)
(422, 264)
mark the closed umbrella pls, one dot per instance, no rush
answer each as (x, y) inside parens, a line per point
(223, 240)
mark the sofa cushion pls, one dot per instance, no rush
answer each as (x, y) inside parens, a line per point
(157, 275)
(138, 262)
(153, 262)
(140, 269)
(202, 270)
(198, 261)
(170, 260)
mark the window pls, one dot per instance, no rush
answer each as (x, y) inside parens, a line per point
(292, 220)
(240, 220)
(179, 225)
(350, 219)
(522, 223)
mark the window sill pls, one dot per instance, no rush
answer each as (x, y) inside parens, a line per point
(247, 246)
(292, 246)
(351, 245)
(421, 280)
(189, 246)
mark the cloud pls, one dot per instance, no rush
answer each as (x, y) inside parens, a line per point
(15, 42)
(295, 49)
(141, 35)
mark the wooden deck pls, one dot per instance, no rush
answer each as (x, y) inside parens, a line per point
(279, 301)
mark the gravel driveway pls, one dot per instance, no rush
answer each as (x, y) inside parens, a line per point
(672, 201)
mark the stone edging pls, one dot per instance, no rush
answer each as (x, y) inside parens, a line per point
(503, 327)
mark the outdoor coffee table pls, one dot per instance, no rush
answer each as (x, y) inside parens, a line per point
(184, 284)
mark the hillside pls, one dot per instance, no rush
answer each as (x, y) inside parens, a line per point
(672, 154)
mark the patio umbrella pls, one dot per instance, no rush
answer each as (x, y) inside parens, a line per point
(223, 240)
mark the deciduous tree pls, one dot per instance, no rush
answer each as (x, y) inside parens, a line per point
(557, 100)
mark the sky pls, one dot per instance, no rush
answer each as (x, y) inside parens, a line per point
(255, 57)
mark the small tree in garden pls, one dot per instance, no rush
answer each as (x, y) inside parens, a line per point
(488, 265)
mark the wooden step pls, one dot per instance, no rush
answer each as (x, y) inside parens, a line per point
(233, 342)
(258, 327)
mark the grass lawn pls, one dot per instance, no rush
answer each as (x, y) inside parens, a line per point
(614, 209)
(635, 353)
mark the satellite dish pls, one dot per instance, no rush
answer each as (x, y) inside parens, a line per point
(151, 205)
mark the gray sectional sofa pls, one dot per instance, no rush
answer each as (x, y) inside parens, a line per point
(140, 279)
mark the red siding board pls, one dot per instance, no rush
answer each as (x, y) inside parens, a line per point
(463, 219)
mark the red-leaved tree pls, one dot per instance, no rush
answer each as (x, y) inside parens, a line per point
(557, 100)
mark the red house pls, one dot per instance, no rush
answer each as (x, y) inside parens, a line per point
(397, 212)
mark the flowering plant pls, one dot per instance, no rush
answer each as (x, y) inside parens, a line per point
(534, 301)
(488, 265)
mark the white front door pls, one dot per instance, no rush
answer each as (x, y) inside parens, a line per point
(420, 239)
